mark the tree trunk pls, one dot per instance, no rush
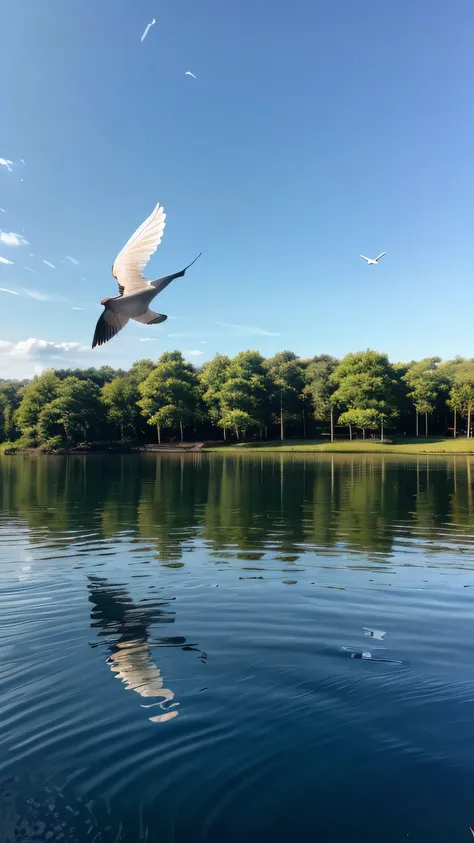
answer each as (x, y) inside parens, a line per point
(331, 422)
(158, 430)
(266, 432)
(381, 430)
(350, 432)
(417, 430)
(237, 432)
(181, 429)
(304, 424)
(363, 433)
(282, 427)
(426, 425)
(469, 422)
(225, 433)
(454, 429)
(121, 431)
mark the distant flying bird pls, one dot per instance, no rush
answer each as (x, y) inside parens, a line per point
(135, 292)
(188, 73)
(147, 29)
(373, 260)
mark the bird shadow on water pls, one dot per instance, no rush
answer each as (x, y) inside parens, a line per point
(127, 628)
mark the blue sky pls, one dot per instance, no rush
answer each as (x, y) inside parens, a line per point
(314, 131)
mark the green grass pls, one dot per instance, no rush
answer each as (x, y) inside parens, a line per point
(358, 446)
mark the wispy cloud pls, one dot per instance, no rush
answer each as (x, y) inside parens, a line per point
(148, 339)
(48, 263)
(73, 260)
(30, 255)
(193, 352)
(248, 330)
(184, 334)
(147, 29)
(5, 260)
(202, 342)
(77, 308)
(10, 238)
(37, 295)
(30, 269)
(2, 210)
(4, 290)
(4, 162)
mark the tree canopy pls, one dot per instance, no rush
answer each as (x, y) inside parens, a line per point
(240, 397)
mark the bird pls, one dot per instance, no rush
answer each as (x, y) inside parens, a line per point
(373, 260)
(188, 73)
(135, 292)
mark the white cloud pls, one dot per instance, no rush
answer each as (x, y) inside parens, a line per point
(10, 238)
(5, 260)
(4, 162)
(193, 353)
(30, 269)
(39, 296)
(148, 339)
(248, 330)
(48, 263)
(77, 308)
(4, 290)
(30, 255)
(2, 210)
(28, 357)
(73, 260)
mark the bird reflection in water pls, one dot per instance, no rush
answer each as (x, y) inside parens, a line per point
(126, 625)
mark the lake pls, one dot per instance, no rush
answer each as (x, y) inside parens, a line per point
(176, 641)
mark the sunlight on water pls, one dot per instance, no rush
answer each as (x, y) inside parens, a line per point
(227, 597)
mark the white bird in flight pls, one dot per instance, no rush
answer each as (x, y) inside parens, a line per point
(373, 260)
(147, 29)
(188, 73)
(135, 292)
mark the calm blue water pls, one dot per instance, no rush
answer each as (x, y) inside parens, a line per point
(176, 638)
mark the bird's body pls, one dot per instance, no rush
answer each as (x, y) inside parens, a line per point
(135, 292)
(373, 261)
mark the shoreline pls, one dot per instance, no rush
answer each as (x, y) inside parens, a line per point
(438, 447)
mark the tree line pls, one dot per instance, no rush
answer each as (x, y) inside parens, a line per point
(244, 397)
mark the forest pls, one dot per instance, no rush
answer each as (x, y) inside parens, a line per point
(247, 397)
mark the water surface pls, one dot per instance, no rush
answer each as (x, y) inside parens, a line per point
(176, 638)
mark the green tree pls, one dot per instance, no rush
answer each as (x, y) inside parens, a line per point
(245, 390)
(73, 413)
(141, 369)
(212, 379)
(41, 391)
(238, 420)
(170, 393)
(9, 402)
(424, 382)
(461, 397)
(365, 381)
(286, 387)
(320, 389)
(120, 397)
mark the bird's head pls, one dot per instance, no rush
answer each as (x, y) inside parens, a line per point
(104, 301)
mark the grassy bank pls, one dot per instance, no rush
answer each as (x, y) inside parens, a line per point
(358, 446)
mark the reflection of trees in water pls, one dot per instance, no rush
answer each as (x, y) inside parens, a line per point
(245, 505)
(126, 625)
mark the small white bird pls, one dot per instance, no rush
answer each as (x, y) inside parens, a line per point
(147, 29)
(373, 260)
(135, 292)
(188, 73)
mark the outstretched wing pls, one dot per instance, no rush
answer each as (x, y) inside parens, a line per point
(366, 259)
(108, 325)
(380, 256)
(132, 260)
(161, 283)
(150, 318)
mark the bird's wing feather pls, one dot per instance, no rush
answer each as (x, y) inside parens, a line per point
(366, 259)
(380, 256)
(150, 318)
(131, 261)
(108, 325)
